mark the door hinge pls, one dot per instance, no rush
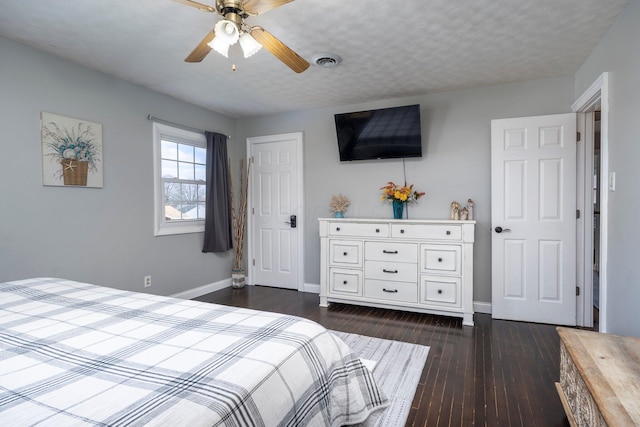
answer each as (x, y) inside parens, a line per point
(577, 291)
(578, 213)
(254, 262)
(578, 136)
(253, 211)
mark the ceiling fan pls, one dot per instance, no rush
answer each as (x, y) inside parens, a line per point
(233, 28)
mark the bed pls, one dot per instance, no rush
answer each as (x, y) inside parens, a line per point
(76, 354)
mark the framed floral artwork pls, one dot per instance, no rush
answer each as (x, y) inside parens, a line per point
(71, 151)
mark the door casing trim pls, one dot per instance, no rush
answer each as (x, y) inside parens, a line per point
(251, 141)
(597, 95)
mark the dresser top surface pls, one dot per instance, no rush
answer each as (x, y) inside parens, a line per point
(610, 367)
(399, 221)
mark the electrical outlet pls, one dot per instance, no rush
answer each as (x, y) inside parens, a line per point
(147, 281)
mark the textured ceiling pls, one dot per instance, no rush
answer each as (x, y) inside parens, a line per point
(389, 48)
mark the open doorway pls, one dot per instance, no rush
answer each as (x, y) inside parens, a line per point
(596, 219)
(592, 201)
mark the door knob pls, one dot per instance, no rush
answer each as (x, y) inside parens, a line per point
(500, 229)
(293, 222)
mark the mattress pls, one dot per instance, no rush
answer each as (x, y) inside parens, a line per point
(76, 354)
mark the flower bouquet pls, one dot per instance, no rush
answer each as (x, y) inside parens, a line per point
(399, 195)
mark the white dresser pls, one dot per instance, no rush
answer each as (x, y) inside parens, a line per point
(413, 265)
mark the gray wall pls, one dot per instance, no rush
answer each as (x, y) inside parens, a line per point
(103, 236)
(617, 53)
(455, 163)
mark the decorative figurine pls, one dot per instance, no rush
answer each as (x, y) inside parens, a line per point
(464, 214)
(470, 209)
(455, 210)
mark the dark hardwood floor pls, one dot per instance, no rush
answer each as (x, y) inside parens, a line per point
(498, 373)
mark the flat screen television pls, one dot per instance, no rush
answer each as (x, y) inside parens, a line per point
(379, 134)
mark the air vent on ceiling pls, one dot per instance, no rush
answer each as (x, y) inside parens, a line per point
(327, 60)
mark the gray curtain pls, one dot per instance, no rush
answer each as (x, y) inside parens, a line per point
(218, 235)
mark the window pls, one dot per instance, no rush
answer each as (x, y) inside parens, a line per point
(180, 180)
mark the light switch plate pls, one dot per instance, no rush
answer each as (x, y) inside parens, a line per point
(612, 181)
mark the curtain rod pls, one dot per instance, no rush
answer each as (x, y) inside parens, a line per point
(157, 119)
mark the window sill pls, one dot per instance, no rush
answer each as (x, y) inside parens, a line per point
(169, 230)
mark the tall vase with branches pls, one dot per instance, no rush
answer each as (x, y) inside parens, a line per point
(238, 223)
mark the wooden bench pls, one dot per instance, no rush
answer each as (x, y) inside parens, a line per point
(599, 378)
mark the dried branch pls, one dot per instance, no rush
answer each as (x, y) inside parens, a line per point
(339, 203)
(239, 215)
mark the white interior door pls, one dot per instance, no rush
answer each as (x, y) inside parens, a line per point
(533, 217)
(276, 247)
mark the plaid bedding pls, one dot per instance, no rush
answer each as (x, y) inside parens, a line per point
(75, 354)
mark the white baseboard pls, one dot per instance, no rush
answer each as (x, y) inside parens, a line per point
(203, 290)
(482, 307)
(311, 287)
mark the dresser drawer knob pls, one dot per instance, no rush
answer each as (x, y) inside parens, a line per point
(377, 230)
(439, 259)
(384, 251)
(344, 253)
(439, 290)
(384, 270)
(402, 231)
(448, 232)
(337, 228)
(344, 282)
(390, 291)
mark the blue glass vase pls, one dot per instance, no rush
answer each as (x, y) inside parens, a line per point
(398, 209)
(339, 214)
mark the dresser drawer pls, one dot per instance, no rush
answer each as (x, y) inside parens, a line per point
(347, 253)
(440, 290)
(427, 231)
(344, 281)
(391, 251)
(441, 259)
(391, 291)
(359, 230)
(391, 271)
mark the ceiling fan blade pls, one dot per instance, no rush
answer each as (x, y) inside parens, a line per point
(202, 49)
(202, 7)
(279, 50)
(258, 7)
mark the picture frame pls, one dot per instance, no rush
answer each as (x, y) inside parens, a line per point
(71, 151)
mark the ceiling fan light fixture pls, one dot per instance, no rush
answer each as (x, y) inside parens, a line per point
(249, 45)
(220, 46)
(226, 34)
(227, 29)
